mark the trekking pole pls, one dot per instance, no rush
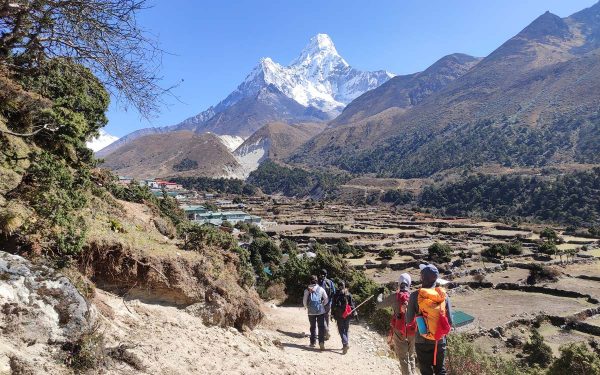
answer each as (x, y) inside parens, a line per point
(362, 303)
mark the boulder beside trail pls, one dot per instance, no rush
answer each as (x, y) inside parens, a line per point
(39, 310)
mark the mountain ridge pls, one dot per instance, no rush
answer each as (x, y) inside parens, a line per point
(535, 96)
(319, 80)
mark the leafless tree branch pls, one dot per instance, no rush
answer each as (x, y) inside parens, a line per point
(100, 34)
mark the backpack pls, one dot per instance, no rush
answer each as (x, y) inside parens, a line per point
(398, 322)
(432, 305)
(329, 288)
(315, 302)
(341, 307)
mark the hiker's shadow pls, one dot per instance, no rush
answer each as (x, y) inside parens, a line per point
(294, 335)
(308, 348)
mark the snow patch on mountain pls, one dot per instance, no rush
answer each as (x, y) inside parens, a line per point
(232, 142)
(250, 156)
(101, 141)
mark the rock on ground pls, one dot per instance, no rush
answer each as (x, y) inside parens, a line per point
(39, 310)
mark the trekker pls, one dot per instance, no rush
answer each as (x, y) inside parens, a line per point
(342, 307)
(431, 306)
(402, 331)
(329, 287)
(315, 300)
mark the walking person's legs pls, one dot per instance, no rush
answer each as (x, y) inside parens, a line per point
(321, 323)
(401, 348)
(440, 366)
(412, 356)
(313, 329)
(425, 358)
(327, 317)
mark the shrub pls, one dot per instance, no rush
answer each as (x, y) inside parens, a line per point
(275, 291)
(539, 273)
(497, 251)
(164, 227)
(515, 248)
(116, 226)
(268, 251)
(201, 236)
(575, 359)
(288, 246)
(357, 252)
(244, 267)
(87, 352)
(380, 320)
(343, 248)
(537, 352)
(549, 234)
(464, 358)
(548, 248)
(387, 253)
(440, 252)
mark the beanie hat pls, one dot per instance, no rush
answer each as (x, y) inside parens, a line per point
(429, 275)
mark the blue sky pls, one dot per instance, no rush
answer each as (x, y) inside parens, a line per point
(214, 44)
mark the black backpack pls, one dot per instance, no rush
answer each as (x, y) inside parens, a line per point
(340, 301)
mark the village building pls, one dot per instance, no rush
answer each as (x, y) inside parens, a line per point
(200, 215)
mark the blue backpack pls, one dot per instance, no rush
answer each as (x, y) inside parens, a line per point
(315, 303)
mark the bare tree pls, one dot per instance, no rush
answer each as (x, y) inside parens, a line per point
(100, 34)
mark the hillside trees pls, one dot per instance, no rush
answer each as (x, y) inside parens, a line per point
(100, 34)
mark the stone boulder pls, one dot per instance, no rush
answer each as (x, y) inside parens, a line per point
(39, 305)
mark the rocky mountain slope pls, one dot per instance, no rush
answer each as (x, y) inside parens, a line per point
(275, 141)
(314, 87)
(181, 153)
(406, 91)
(532, 102)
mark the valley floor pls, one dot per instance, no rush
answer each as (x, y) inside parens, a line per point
(171, 341)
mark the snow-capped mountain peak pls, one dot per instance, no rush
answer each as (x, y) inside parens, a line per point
(101, 141)
(319, 49)
(319, 77)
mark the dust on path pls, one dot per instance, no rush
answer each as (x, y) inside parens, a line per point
(168, 340)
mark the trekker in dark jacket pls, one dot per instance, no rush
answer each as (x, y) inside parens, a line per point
(340, 300)
(431, 353)
(329, 287)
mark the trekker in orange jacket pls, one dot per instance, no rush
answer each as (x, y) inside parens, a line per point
(431, 306)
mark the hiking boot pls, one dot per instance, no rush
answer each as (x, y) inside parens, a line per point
(327, 336)
(345, 349)
(312, 345)
(322, 345)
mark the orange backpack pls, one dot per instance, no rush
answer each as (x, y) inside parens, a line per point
(432, 305)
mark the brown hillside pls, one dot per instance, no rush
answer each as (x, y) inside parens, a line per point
(181, 153)
(404, 92)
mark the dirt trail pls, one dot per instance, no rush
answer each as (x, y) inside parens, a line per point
(170, 341)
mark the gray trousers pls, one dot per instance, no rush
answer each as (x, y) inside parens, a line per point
(404, 347)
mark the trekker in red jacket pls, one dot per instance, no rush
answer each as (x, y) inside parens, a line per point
(402, 333)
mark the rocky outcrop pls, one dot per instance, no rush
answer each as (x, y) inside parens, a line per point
(206, 284)
(39, 304)
(39, 310)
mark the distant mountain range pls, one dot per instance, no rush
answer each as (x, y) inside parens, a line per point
(533, 102)
(316, 86)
